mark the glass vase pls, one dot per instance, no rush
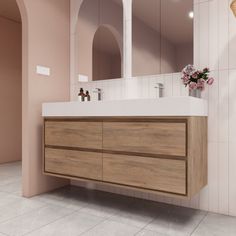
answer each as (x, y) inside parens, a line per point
(197, 93)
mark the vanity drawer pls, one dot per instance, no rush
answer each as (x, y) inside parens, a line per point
(148, 173)
(74, 163)
(74, 134)
(163, 138)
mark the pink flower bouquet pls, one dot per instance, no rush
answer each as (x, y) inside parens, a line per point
(196, 79)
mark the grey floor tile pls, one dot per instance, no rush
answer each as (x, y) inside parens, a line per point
(112, 228)
(141, 213)
(61, 200)
(216, 225)
(178, 222)
(7, 199)
(149, 233)
(71, 225)
(35, 219)
(18, 207)
(12, 187)
(5, 180)
(99, 210)
(132, 218)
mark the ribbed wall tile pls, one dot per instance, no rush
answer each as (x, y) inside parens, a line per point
(223, 149)
(213, 34)
(223, 26)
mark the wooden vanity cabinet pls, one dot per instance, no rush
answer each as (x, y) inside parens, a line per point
(163, 155)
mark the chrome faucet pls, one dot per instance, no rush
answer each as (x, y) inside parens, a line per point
(160, 88)
(99, 93)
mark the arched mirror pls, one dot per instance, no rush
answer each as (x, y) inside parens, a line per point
(162, 36)
(99, 40)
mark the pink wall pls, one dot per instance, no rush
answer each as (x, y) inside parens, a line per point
(10, 90)
(46, 26)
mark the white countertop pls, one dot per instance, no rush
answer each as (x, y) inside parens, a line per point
(168, 106)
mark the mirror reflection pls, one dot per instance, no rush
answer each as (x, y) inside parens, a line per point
(162, 36)
(99, 40)
(106, 55)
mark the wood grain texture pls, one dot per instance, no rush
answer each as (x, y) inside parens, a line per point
(150, 173)
(74, 134)
(74, 163)
(197, 154)
(104, 184)
(146, 137)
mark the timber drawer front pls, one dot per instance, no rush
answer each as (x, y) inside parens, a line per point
(148, 173)
(74, 134)
(161, 155)
(74, 163)
(146, 137)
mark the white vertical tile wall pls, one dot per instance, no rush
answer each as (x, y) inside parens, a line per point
(215, 46)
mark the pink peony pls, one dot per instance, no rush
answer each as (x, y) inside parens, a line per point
(185, 79)
(210, 81)
(192, 86)
(201, 84)
(195, 75)
(189, 70)
(206, 70)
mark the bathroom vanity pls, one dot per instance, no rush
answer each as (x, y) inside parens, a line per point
(163, 150)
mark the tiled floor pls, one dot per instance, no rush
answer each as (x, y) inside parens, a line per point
(73, 211)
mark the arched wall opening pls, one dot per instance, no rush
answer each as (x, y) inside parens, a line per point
(24, 44)
(106, 55)
(10, 83)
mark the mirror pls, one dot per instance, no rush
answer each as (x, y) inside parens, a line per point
(106, 55)
(162, 36)
(99, 40)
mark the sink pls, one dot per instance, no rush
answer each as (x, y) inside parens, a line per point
(167, 106)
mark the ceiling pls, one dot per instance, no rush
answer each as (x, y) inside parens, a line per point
(9, 9)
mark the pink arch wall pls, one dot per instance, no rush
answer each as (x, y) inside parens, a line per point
(46, 36)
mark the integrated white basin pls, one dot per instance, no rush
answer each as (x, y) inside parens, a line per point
(168, 106)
